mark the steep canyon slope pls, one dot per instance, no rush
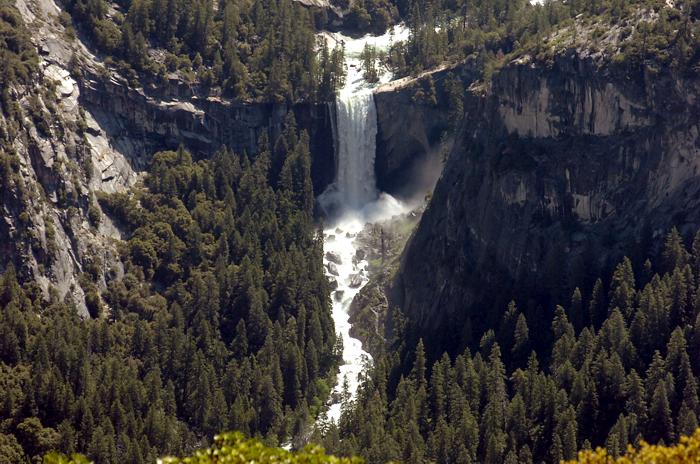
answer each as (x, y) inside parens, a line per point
(571, 161)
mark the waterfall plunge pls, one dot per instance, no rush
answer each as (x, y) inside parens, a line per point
(357, 132)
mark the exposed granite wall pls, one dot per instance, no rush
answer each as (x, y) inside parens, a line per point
(97, 135)
(147, 121)
(552, 159)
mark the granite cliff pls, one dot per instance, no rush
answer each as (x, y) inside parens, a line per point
(572, 161)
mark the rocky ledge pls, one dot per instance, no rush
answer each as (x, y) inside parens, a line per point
(376, 323)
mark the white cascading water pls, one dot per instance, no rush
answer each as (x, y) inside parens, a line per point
(357, 130)
(353, 200)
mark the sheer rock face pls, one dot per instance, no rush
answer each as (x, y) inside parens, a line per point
(408, 133)
(573, 162)
(412, 130)
(61, 157)
(146, 120)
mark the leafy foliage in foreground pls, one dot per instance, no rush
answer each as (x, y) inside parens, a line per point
(685, 452)
(233, 448)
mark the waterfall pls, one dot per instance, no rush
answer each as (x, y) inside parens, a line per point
(357, 132)
(350, 202)
(354, 188)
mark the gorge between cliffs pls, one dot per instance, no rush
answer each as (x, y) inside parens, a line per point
(402, 230)
(352, 203)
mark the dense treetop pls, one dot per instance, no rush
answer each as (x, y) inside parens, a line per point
(219, 320)
(220, 317)
(250, 50)
(620, 364)
(493, 32)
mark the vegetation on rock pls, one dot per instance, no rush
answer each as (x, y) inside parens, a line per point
(650, 33)
(616, 366)
(262, 50)
(220, 318)
(18, 58)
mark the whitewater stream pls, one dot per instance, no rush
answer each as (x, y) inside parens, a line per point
(353, 201)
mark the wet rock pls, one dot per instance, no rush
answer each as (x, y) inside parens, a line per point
(338, 295)
(359, 256)
(355, 281)
(338, 230)
(334, 257)
(333, 283)
(332, 269)
(349, 235)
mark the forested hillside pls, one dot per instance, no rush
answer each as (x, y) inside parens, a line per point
(220, 321)
(203, 301)
(618, 364)
(493, 32)
(268, 50)
(256, 50)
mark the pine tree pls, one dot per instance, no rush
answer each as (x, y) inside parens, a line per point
(521, 341)
(660, 422)
(596, 305)
(576, 314)
(622, 289)
(419, 364)
(493, 418)
(674, 254)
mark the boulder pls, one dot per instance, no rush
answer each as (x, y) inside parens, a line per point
(334, 257)
(332, 269)
(355, 281)
(359, 256)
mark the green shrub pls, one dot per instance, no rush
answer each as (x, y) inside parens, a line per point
(18, 58)
(94, 215)
(38, 115)
(233, 448)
